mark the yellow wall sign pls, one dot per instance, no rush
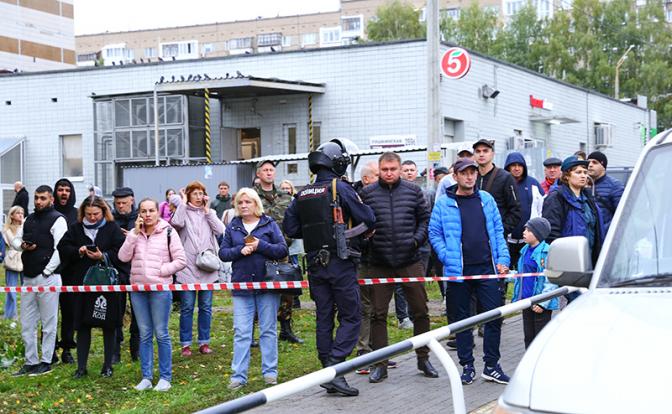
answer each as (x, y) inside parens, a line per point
(434, 155)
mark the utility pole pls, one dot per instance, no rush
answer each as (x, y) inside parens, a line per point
(618, 69)
(433, 107)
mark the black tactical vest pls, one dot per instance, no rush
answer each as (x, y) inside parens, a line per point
(37, 229)
(314, 204)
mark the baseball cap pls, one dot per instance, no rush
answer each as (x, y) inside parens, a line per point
(463, 163)
(440, 170)
(262, 162)
(487, 142)
(465, 147)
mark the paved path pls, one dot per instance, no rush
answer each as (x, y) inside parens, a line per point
(406, 390)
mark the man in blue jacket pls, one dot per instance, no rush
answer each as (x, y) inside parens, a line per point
(467, 234)
(607, 190)
(531, 198)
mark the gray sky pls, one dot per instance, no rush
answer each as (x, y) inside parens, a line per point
(97, 16)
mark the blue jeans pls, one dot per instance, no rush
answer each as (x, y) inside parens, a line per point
(10, 298)
(458, 303)
(152, 311)
(400, 303)
(187, 301)
(266, 306)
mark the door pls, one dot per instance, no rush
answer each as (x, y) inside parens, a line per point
(228, 145)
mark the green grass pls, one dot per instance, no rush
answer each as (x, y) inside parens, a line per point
(198, 382)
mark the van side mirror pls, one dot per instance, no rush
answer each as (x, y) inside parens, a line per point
(569, 262)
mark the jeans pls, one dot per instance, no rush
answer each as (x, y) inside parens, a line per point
(187, 301)
(10, 298)
(152, 311)
(244, 307)
(458, 302)
(400, 303)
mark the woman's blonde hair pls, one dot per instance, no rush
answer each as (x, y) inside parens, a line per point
(290, 186)
(252, 195)
(8, 222)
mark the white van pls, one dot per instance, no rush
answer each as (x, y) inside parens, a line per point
(610, 351)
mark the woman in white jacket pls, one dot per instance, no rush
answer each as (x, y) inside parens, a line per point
(13, 264)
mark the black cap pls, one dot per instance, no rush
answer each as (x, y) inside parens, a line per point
(487, 142)
(463, 163)
(122, 192)
(440, 170)
(552, 161)
(261, 163)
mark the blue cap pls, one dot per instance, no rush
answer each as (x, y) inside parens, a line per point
(571, 162)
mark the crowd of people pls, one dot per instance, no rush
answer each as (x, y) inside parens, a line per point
(480, 219)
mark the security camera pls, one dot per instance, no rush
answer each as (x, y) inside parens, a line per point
(488, 92)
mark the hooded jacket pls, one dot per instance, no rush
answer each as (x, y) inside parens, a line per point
(148, 253)
(608, 193)
(504, 192)
(445, 232)
(541, 283)
(530, 194)
(68, 210)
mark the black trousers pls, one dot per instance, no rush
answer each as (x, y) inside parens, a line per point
(65, 301)
(134, 343)
(533, 323)
(84, 344)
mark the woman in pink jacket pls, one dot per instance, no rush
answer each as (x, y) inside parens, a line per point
(155, 253)
(199, 227)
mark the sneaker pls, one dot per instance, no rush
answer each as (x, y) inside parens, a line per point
(270, 380)
(205, 349)
(468, 374)
(363, 371)
(235, 385)
(26, 370)
(186, 351)
(145, 384)
(41, 369)
(495, 374)
(391, 364)
(162, 385)
(406, 324)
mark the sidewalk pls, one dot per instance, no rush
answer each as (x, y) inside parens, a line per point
(406, 390)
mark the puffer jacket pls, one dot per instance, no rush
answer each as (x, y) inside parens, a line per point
(252, 268)
(148, 254)
(608, 193)
(198, 231)
(445, 232)
(402, 217)
(530, 193)
(565, 213)
(541, 283)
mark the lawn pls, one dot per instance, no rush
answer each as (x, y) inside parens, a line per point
(198, 382)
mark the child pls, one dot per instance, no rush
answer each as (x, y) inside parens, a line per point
(533, 260)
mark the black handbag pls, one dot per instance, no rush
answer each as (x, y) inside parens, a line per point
(282, 272)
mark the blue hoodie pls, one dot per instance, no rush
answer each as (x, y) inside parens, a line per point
(524, 187)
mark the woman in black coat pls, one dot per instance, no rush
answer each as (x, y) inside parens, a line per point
(93, 238)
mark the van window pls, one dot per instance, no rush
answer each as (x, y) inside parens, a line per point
(642, 245)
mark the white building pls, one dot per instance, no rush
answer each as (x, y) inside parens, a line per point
(88, 123)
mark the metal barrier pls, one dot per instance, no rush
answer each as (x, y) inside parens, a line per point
(430, 339)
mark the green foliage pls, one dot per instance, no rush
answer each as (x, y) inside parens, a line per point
(395, 21)
(581, 46)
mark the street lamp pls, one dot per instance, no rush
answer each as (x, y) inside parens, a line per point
(618, 68)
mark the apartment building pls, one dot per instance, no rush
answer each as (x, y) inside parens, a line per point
(36, 35)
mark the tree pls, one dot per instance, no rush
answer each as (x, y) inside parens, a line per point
(395, 21)
(523, 40)
(475, 29)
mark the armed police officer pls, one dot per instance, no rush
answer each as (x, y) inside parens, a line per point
(319, 215)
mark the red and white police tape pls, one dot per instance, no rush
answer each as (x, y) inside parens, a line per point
(244, 285)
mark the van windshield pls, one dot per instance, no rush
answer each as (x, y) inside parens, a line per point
(641, 252)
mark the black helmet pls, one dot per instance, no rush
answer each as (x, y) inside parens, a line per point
(331, 155)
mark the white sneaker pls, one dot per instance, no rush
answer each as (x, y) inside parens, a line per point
(162, 385)
(145, 384)
(406, 324)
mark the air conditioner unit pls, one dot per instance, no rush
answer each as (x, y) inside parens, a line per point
(515, 143)
(602, 135)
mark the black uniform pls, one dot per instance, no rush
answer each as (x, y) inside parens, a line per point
(310, 217)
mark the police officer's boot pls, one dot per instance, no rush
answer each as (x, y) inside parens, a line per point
(286, 333)
(327, 385)
(339, 383)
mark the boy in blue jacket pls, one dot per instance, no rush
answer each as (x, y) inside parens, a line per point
(533, 260)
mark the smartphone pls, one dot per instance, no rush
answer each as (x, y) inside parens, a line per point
(91, 247)
(28, 242)
(249, 238)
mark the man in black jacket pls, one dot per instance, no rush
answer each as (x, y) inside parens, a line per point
(402, 217)
(21, 198)
(64, 203)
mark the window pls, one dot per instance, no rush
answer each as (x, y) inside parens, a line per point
(317, 138)
(123, 144)
(286, 41)
(150, 52)
(208, 48)
(453, 13)
(269, 39)
(71, 150)
(668, 14)
(139, 111)
(543, 8)
(240, 43)
(170, 50)
(513, 6)
(330, 36)
(308, 39)
(352, 25)
(290, 137)
(122, 113)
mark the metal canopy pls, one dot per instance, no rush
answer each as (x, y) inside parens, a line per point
(8, 144)
(241, 87)
(553, 119)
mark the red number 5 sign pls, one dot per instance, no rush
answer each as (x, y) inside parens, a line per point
(455, 63)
